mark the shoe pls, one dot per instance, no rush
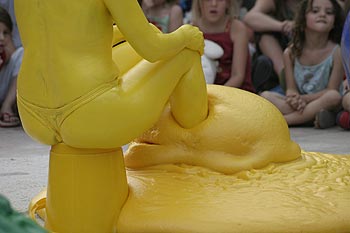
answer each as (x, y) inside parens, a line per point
(263, 75)
(324, 119)
(343, 120)
(9, 120)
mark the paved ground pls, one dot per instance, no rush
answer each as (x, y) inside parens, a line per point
(24, 163)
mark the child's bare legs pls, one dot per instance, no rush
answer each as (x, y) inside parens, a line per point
(329, 100)
(272, 49)
(278, 100)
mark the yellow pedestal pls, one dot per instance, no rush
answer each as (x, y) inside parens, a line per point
(86, 190)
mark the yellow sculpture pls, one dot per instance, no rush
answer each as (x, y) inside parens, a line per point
(204, 161)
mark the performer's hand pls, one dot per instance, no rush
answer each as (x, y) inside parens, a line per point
(194, 38)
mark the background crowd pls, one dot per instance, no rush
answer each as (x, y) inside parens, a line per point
(287, 51)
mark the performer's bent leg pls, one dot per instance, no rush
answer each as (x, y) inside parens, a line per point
(180, 78)
(189, 102)
(136, 102)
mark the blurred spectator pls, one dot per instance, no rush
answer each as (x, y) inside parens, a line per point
(217, 20)
(185, 5)
(313, 66)
(167, 15)
(272, 22)
(186, 8)
(10, 62)
(9, 7)
(343, 118)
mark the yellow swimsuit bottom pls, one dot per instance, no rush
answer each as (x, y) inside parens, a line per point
(45, 123)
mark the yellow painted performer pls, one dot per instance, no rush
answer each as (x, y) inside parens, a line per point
(193, 164)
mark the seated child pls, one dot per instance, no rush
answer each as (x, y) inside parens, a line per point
(313, 66)
(10, 62)
(222, 27)
(343, 118)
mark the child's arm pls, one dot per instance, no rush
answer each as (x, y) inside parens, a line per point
(259, 20)
(176, 17)
(337, 73)
(293, 97)
(291, 87)
(240, 38)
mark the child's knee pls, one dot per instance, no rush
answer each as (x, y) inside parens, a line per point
(333, 97)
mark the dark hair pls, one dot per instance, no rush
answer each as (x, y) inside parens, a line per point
(298, 39)
(6, 18)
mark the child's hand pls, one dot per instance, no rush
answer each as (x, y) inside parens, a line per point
(293, 100)
(287, 27)
(296, 102)
(301, 104)
(194, 38)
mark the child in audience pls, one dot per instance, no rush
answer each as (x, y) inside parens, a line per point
(313, 66)
(10, 62)
(343, 118)
(8, 5)
(216, 19)
(167, 15)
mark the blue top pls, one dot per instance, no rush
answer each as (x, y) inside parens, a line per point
(312, 79)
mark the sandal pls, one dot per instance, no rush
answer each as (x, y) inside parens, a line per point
(324, 119)
(9, 120)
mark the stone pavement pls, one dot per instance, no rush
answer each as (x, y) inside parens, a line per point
(24, 162)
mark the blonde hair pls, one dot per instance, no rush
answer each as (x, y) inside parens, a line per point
(232, 11)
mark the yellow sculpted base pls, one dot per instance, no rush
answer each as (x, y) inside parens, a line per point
(180, 181)
(310, 194)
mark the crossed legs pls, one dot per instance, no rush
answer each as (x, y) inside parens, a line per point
(329, 100)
